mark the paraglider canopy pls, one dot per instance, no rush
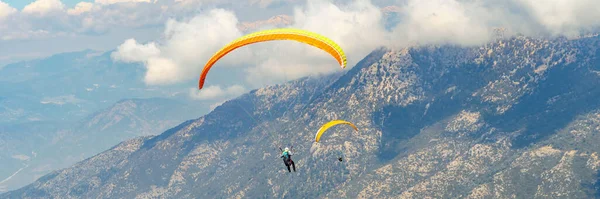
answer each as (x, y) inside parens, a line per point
(302, 36)
(329, 125)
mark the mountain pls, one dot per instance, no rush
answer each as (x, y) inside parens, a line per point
(19, 144)
(34, 149)
(69, 86)
(516, 118)
(45, 102)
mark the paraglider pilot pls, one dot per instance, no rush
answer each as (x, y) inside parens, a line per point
(287, 159)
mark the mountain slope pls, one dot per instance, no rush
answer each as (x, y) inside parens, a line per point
(35, 149)
(514, 118)
(63, 87)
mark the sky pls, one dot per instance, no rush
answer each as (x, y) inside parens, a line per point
(20, 4)
(174, 38)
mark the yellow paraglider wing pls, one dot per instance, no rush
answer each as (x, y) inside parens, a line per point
(303, 36)
(329, 125)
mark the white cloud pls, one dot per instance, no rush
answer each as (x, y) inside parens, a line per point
(188, 45)
(133, 15)
(193, 42)
(471, 22)
(40, 19)
(6, 10)
(89, 18)
(216, 92)
(43, 7)
(81, 7)
(132, 51)
(161, 71)
(564, 16)
(358, 28)
(441, 21)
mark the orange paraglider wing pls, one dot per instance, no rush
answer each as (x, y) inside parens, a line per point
(303, 36)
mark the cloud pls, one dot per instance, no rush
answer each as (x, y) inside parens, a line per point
(564, 17)
(161, 71)
(472, 22)
(132, 51)
(105, 16)
(188, 44)
(44, 7)
(89, 18)
(197, 39)
(39, 19)
(358, 28)
(441, 21)
(81, 7)
(215, 92)
(6, 10)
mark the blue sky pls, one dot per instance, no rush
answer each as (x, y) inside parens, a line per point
(173, 38)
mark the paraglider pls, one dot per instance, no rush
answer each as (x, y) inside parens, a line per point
(286, 154)
(329, 125)
(302, 36)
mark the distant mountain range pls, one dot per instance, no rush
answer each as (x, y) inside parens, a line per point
(62, 109)
(34, 149)
(70, 86)
(515, 118)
